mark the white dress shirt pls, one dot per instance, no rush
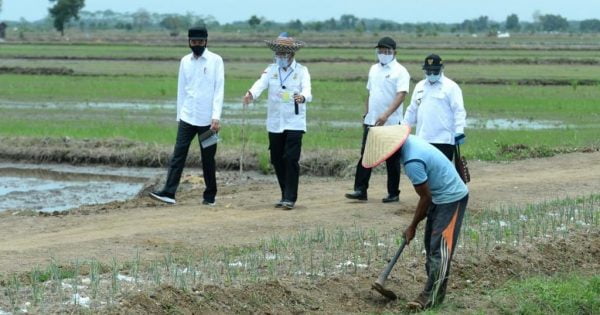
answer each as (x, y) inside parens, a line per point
(385, 81)
(200, 88)
(437, 110)
(280, 112)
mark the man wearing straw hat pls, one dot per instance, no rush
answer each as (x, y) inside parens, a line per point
(437, 108)
(388, 85)
(200, 90)
(289, 90)
(443, 199)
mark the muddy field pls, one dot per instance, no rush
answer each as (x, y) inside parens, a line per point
(244, 214)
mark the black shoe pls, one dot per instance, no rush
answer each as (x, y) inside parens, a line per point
(287, 205)
(357, 195)
(164, 197)
(208, 202)
(391, 198)
(279, 204)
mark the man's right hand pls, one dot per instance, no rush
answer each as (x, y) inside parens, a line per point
(247, 98)
(409, 233)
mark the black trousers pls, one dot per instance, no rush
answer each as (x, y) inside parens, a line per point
(447, 149)
(185, 135)
(363, 175)
(285, 151)
(441, 236)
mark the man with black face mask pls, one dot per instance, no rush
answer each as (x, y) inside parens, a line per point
(437, 108)
(200, 89)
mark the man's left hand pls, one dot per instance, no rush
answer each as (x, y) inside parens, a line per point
(299, 98)
(215, 125)
(460, 138)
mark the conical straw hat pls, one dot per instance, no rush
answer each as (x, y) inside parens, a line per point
(382, 142)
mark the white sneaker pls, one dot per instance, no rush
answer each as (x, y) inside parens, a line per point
(161, 196)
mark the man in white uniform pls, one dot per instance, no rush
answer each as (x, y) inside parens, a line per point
(289, 90)
(200, 89)
(388, 85)
(437, 108)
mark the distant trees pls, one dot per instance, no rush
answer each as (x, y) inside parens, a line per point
(254, 21)
(63, 11)
(173, 23)
(553, 23)
(141, 19)
(591, 25)
(512, 23)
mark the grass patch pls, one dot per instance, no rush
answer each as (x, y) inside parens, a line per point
(560, 294)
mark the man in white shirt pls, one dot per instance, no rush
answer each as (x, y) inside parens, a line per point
(289, 90)
(200, 89)
(437, 108)
(388, 85)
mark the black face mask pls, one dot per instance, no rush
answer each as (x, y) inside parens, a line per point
(198, 50)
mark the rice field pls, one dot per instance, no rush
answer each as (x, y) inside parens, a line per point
(557, 84)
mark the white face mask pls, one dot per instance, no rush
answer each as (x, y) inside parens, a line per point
(385, 59)
(282, 62)
(432, 78)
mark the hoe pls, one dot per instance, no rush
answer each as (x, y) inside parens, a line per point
(379, 285)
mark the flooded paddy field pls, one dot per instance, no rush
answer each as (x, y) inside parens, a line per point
(48, 188)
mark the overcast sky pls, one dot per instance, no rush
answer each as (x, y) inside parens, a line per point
(306, 10)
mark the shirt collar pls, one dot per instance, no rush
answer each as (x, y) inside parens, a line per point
(193, 57)
(389, 64)
(440, 81)
(291, 66)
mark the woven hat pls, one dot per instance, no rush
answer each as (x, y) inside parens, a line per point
(382, 142)
(284, 43)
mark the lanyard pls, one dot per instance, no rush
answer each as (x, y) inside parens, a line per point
(287, 76)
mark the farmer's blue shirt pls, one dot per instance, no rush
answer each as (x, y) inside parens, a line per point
(425, 163)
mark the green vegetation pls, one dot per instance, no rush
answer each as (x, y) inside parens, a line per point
(318, 254)
(561, 294)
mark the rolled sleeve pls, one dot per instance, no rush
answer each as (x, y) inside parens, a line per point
(416, 172)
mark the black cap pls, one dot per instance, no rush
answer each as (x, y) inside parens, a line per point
(198, 32)
(386, 42)
(433, 62)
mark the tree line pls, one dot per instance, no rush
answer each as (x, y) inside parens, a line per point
(68, 13)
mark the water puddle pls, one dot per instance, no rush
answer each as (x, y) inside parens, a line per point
(236, 108)
(57, 187)
(515, 124)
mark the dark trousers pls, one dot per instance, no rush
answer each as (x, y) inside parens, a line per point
(285, 150)
(185, 135)
(441, 236)
(447, 149)
(363, 175)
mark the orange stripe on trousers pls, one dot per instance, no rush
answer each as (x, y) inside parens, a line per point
(448, 233)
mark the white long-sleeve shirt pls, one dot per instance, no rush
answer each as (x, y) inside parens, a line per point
(437, 110)
(200, 88)
(280, 111)
(385, 81)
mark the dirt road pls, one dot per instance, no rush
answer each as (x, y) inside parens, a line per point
(244, 212)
